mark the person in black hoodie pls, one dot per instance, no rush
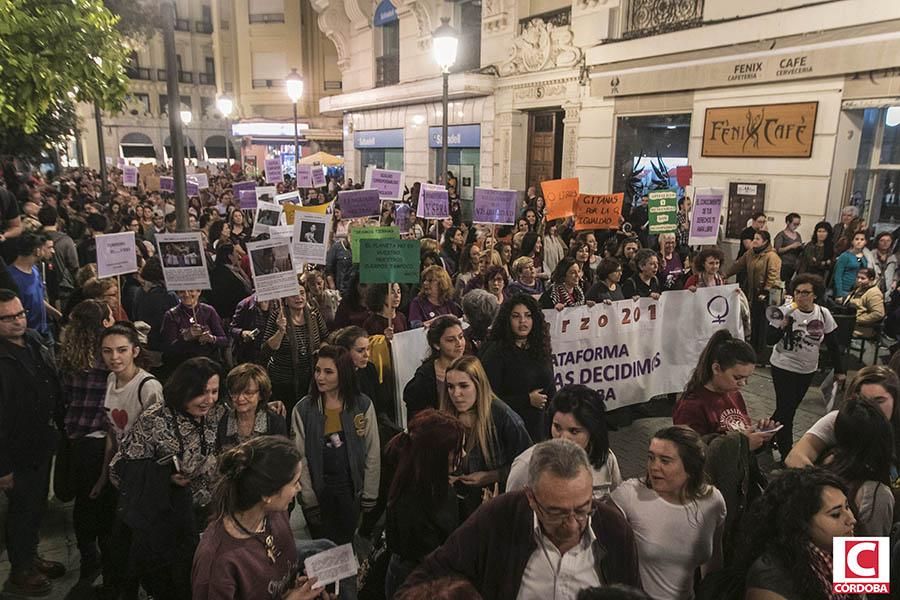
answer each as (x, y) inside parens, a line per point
(517, 360)
(427, 387)
(153, 301)
(29, 403)
(229, 283)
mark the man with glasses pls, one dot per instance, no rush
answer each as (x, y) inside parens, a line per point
(29, 394)
(549, 541)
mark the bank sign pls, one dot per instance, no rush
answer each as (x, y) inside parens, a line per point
(763, 130)
(458, 136)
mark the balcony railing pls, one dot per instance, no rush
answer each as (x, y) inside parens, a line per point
(267, 18)
(387, 70)
(183, 76)
(182, 24)
(138, 73)
(207, 78)
(203, 27)
(268, 83)
(651, 17)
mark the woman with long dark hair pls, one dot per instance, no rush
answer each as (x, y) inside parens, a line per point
(862, 458)
(336, 431)
(352, 309)
(248, 551)
(818, 253)
(565, 288)
(428, 387)
(578, 414)
(454, 240)
(421, 508)
(229, 283)
(674, 497)
(383, 300)
(582, 252)
(518, 361)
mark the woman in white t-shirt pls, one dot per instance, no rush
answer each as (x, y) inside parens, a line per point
(577, 414)
(795, 356)
(129, 388)
(677, 517)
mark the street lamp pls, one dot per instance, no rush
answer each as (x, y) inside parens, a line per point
(294, 83)
(186, 118)
(225, 105)
(444, 42)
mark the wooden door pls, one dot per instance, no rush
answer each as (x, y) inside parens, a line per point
(543, 154)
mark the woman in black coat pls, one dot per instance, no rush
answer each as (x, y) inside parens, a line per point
(447, 342)
(518, 362)
(229, 284)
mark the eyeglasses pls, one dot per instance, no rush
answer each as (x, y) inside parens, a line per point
(555, 515)
(14, 317)
(803, 292)
(248, 393)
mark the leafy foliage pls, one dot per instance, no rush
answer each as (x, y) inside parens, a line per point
(53, 52)
(138, 19)
(53, 129)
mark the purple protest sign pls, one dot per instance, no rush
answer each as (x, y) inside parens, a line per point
(193, 188)
(705, 217)
(167, 184)
(304, 176)
(247, 199)
(495, 206)
(434, 202)
(273, 170)
(388, 183)
(356, 204)
(318, 176)
(130, 176)
(242, 185)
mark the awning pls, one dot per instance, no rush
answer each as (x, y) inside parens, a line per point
(322, 158)
(385, 14)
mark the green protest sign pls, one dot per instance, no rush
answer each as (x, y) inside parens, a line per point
(663, 209)
(389, 261)
(371, 233)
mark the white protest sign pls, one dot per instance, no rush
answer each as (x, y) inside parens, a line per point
(332, 565)
(129, 176)
(273, 170)
(266, 193)
(201, 179)
(273, 269)
(292, 197)
(631, 351)
(268, 214)
(311, 236)
(408, 350)
(183, 261)
(116, 254)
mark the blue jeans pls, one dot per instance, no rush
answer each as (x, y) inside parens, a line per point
(307, 548)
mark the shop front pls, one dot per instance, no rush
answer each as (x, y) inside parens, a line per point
(463, 158)
(379, 148)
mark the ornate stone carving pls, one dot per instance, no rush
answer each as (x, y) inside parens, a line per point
(332, 22)
(540, 92)
(541, 46)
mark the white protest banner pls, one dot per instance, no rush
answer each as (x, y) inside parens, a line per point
(183, 261)
(332, 565)
(201, 179)
(273, 170)
(388, 183)
(116, 254)
(266, 193)
(311, 236)
(129, 176)
(291, 197)
(268, 214)
(273, 269)
(631, 351)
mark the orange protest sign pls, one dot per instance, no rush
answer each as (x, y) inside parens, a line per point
(559, 195)
(598, 211)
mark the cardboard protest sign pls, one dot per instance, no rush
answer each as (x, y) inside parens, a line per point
(268, 214)
(272, 267)
(116, 254)
(130, 176)
(434, 202)
(559, 196)
(497, 207)
(311, 236)
(151, 183)
(598, 211)
(388, 183)
(273, 170)
(357, 204)
(662, 210)
(147, 169)
(371, 233)
(167, 184)
(705, 216)
(389, 261)
(183, 261)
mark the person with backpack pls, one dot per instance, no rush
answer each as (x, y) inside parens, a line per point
(65, 255)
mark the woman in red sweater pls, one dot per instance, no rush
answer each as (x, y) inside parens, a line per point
(712, 400)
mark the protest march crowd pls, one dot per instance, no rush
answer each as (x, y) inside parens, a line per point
(187, 420)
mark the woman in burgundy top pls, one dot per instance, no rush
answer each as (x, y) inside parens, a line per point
(248, 551)
(384, 301)
(712, 400)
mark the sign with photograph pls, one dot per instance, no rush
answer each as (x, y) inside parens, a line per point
(763, 130)
(116, 254)
(311, 236)
(288, 198)
(268, 214)
(266, 193)
(272, 267)
(183, 261)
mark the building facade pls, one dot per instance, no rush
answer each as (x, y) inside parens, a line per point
(241, 48)
(784, 104)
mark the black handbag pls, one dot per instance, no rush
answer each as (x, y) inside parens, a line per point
(63, 472)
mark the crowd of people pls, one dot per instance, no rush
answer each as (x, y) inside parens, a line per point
(188, 426)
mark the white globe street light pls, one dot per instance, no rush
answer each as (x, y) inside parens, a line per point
(294, 84)
(186, 117)
(225, 105)
(444, 43)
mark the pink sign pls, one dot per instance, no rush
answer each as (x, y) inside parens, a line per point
(705, 218)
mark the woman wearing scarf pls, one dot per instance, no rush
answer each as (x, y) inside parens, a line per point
(762, 267)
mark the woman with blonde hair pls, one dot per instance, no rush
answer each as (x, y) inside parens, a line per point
(495, 434)
(435, 297)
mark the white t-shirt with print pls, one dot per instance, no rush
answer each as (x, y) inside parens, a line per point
(123, 406)
(798, 349)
